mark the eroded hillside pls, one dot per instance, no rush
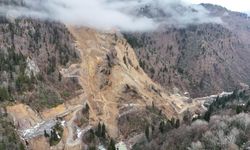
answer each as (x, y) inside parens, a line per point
(115, 92)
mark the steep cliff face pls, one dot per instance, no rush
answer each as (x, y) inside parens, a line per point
(199, 59)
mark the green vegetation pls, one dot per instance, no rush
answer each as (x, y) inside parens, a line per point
(224, 124)
(9, 60)
(133, 41)
(167, 125)
(66, 94)
(55, 134)
(98, 136)
(48, 98)
(231, 101)
(23, 83)
(111, 145)
(4, 94)
(9, 138)
(101, 130)
(147, 132)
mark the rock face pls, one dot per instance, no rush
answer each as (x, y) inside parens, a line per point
(199, 59)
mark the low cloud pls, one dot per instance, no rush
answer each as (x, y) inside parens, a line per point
(126, 15)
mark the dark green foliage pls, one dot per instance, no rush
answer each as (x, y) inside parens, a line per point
(24, 39)
(239, 109)
(15, 63)
(142, 64)
(168, 125)
(90, 138)
(60, 77)
(46, 134)
(177, 123)
(92, 147)
(92, 135)
(212, 134)
(23, 83)
(101, 130)
(147, 132)
(4, 94)
(152, 70)
(53, 137)
(162, 126)
(21, 146)
(221, 102)
(133, 41)
(10, 140)
(10, 60)
(51, 65)
(103, 134)
(48, 98)
(172, 121)
(180, 70)
(111, 145)
(208, 115)
(85, 109)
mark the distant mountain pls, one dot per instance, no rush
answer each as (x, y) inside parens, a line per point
(201, 59)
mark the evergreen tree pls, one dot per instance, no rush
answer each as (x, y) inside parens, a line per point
(172, 122)
(46, 134)
(161, 126)
(147, 132)
(92, 135)
(87, 107)
(239, 109)
(4, 94)
(111, 145)
(21, 146)
(99, 130)
(60, 77)
(207, 115)
(177, 123)
(103, 133)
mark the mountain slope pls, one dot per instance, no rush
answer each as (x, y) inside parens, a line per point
(32, 53)
(114, 88)
(200, 59)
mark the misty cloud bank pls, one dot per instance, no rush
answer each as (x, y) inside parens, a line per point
(126, 15)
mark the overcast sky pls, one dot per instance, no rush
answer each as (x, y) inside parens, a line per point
(235, 5)
(122, 14)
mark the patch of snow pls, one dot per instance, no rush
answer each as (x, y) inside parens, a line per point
(82, 132)
(38, 129)
(121, 146)
(58, 136)
(63, 123)
(79, 133)
(225, 94)
(101, 147)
